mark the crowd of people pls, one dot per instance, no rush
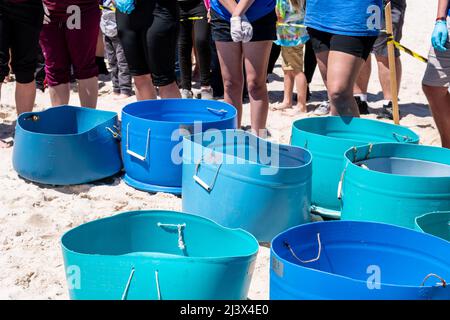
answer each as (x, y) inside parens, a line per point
(235, 43)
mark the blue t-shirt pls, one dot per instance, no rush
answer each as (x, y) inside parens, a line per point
(258, 9)
(345, 17)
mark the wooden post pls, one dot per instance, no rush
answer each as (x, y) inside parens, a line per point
(392, 66)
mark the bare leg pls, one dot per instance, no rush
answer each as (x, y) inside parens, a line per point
(301, 85)
(88, 92)
(439, 100)
(384, 75)
(343, 69)
(322, 63)
(60, 94)
(170, 91)
(289, 79)
(144, 88)
(362, 82)
(256, 58)
(230, 58)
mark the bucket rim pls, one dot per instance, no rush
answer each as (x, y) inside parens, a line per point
(445, 214)
(241, 232)
(112, 114)
(350, 162)
(415, 138)
(306, 164)
(329, 274)
(227, 117)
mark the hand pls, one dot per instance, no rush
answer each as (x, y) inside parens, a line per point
(208, 16)
(247, 30)
(125, 6)
(236, 29)
(47, 19)
(440, 35)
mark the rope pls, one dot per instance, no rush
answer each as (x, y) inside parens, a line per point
(179, 227)
(157, 284)
(443, 283)
(287, 245)
(125, 292)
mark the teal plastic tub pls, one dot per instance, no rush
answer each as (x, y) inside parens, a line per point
(435, 223)
(328, 138)
(394, 183)
(149, 255)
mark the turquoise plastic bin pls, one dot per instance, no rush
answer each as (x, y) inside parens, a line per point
(435, 223)
(241, 181)
(149, 255)
(351, 260)
(328, 138)
(153, 133)
(67, 145)
(395, 183)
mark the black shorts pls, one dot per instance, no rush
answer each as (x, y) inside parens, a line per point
(356, 46)
(264, 29)
(20, 26)
(149, 37)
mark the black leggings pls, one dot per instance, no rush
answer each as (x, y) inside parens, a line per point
(20, 26)
(149, 37)
(310, 62)
(193, 19)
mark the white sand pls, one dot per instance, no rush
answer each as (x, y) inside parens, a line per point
(32, 218)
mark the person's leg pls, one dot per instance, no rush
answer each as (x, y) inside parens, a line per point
(256, 58)
(202, 35)
(362, 82)
(310, 61)
(161, 40)
(342, 71)
(110, 52)
(274, 55)
(385, 76)
(289, 78)
(5, 38)
(82, 47)
(184, 53)
(301, 84)
(124, 77)
(439, 100)
(322, 63)
(231, 65)
(59, 94)
(216, 73)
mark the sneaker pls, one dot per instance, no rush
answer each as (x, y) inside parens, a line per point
(362, 106)
(187, 94)
(206, 94)
(323, 109)
(387, 112)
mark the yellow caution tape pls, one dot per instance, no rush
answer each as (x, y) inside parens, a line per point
(107, 8)
(192, 18)
(390, 39)
(283, 24)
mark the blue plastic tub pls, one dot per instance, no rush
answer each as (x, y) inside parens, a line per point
(328, 138)
(67, 145)
(435, 223)
(394, 183)
(253, 184)
(150, 255)
(152, 138)
(345, 260)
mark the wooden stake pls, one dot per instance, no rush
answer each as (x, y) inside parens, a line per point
(392, 66)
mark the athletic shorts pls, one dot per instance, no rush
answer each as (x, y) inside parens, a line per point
(354, 45)
(292, 58)
(398, 19)
(437, 73)
(149, 38)
(65, 48)
(20, 25)
(264, 29)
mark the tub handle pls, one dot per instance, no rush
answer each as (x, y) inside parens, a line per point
(341, 183)
(443, 282)
(405, 138)
(200, 181)
(180, 227)
(135, 154)
(115, 134)
(127, 287)
(288, 246)
(220, 112)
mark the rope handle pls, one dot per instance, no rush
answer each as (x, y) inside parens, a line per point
(443, 282)
(180, 227)
(288, 246)
(130, 277)
(405, 138)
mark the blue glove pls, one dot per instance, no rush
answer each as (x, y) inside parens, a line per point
(125, 6)
(440, 35)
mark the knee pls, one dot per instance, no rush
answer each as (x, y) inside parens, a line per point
(339, 94)
(256, 87)
(231, 85)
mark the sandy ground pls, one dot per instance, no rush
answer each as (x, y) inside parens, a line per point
(33, 218)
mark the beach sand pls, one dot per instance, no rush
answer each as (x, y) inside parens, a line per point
(33, 218)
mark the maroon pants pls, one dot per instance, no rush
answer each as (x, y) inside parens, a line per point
(65, 48)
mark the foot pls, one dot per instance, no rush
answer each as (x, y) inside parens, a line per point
(323, 109)
(281, 106)
(362, 106)
(386, 112)
(187, 94)
(206, 94)
(6, 143)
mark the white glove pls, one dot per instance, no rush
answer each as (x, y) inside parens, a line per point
(236, 29)
(247, 30)
(46, 15)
